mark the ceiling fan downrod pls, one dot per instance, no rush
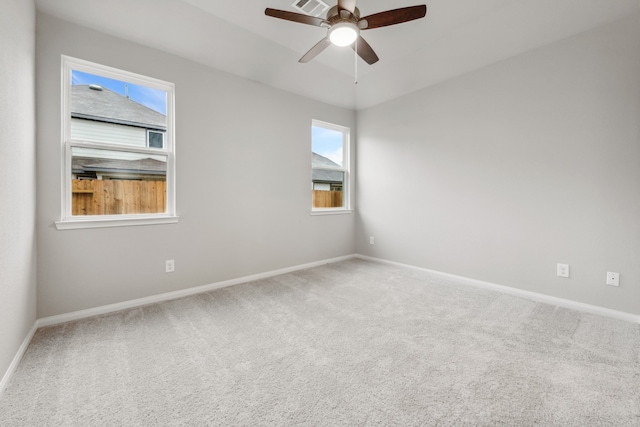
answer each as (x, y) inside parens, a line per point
(355, 55)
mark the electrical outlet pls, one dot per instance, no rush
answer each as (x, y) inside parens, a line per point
(372, 241)
(169, 266)
(563, 270)
(613, 279)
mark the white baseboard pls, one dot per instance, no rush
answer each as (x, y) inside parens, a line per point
(17, 358)
(81, 314)
(533, 296)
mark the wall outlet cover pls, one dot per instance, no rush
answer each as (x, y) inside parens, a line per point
(563, 270)
(613, 279)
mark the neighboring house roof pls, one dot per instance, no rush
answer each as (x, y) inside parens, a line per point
(144, 166)
(107, 106)
(321, 175)
(321, 161)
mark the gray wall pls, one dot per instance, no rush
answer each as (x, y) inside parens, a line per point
(243, 183)
(17, 177)
(502, 173)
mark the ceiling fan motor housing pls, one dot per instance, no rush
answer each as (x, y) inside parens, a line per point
(334, 15)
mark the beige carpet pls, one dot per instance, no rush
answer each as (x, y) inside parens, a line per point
(354, 343)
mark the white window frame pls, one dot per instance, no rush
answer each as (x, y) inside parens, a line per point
(346, 166)
(69, 221)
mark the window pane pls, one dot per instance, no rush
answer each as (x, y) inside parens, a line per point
(156, 140)
(327, 188)
(327, 147)
(115, 111)
(110, 182)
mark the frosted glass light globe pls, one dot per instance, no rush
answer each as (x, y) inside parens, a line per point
(343, 33)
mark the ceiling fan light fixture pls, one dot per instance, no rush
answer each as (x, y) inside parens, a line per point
(343, 33)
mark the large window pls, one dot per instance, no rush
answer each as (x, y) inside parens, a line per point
(329, 167)
(118, 147)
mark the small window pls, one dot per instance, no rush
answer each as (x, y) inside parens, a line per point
(155, 139)
(118, 147)
(329, 167)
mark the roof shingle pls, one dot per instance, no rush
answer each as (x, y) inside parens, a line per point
(108, 106)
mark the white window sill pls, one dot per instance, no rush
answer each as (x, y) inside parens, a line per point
(330, 211)
(120, 221)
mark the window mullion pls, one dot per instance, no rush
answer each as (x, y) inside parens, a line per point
(117, 147)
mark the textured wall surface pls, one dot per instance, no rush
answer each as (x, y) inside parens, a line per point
(502, 173)
(17, 177)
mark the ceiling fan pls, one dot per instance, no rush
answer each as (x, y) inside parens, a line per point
(343, 23)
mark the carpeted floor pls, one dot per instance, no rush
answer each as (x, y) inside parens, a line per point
(354, 343)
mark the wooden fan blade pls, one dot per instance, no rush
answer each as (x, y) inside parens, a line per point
(294, 17)
(349, 5)
(315, 51)
(395, 16)
(365, 51)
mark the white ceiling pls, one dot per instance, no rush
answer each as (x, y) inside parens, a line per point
(457, 36)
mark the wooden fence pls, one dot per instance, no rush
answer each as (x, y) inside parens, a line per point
(327, 199)
(117, 197)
